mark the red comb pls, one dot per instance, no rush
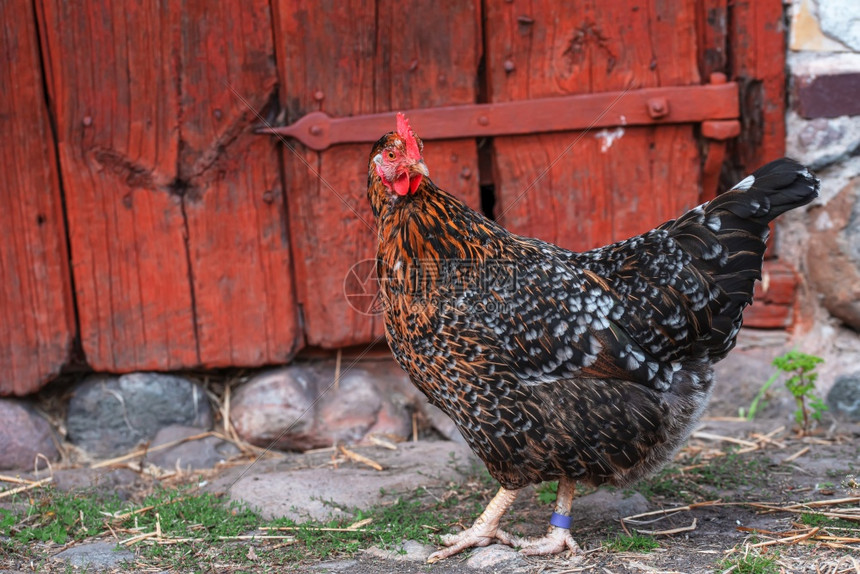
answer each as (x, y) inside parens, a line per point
(405, 133)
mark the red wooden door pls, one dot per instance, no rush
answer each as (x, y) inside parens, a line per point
(578, 189)
(36, 311)
(179, 242)
(340, 57)
(189, 241)
(586, 189)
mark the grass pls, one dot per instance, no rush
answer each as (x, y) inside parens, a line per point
(750, 563)
(820, 520)
(631, 543)
(547, 491)
(703, 480)
(57, 517)
(199, 530)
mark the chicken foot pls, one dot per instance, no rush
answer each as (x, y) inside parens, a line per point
(484, 531)
(558, 537)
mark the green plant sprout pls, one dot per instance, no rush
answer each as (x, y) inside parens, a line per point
(800, 369)
(547, 491)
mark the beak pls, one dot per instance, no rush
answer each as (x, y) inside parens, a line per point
(420, 167)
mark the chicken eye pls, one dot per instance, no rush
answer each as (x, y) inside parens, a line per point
(390, 155)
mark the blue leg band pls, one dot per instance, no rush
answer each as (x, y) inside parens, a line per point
(560, 520)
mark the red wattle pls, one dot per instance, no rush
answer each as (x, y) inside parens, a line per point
(414, 183)
(401, 184)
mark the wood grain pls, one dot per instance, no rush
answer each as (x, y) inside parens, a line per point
(757, 40)
(36, 308)
(238, 234)
(712, 20)
(386, 58)
(154, 153)
(585, 189)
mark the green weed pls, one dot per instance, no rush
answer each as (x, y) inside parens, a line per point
(547, 491)
(822, 521)
(199, 530)
(800, 369)
(632, 543)
(750, 563)
(58, 517)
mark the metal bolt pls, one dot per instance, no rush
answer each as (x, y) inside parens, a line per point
(268, 196)
(454, 158)
(509, 66)
(483, 120)
(319, 95)
(88, 121)
(658, 107)
(315, 130)
(413, 65)
(126, 200)
(466, 173)
(217, 113)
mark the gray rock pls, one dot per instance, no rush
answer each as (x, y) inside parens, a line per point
(303, 400)
(346, 413)
(840, 19)
(24, 434)
(119, 481)
(833, 255)
(844, 398)
(273, 402)
(604, 506)
(443, 423)
(820, 142)
(493, 556)
(408, 551)
(196, 454)
(320, 493)
(95, 556)
(336, 566)
(111, 415)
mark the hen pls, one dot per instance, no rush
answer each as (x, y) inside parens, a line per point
(556, 365)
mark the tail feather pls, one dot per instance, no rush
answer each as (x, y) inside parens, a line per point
(769, 192)
(727, 236)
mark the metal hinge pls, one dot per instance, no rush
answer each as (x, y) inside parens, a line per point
(649, 106)
(714, 105)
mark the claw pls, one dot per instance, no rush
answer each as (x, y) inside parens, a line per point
(484, 531)
(473, 537)
(557, 540)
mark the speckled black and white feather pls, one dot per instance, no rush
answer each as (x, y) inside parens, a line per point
(592, 365)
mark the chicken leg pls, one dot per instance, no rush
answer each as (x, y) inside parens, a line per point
(483, 531)
(558, 537)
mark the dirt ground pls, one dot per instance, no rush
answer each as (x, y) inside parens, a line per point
(726, 510)
(737, 492)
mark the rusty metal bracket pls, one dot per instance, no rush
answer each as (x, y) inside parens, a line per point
(714, 102)
(717, 132)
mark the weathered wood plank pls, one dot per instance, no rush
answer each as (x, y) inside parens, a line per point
(757, 41)
(36, 308)
(372, 67)
(712, 31)
(171, 240)
(238, 239)
(117, 136)
(606, 185)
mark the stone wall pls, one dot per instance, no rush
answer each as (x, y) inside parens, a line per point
(823, 131)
